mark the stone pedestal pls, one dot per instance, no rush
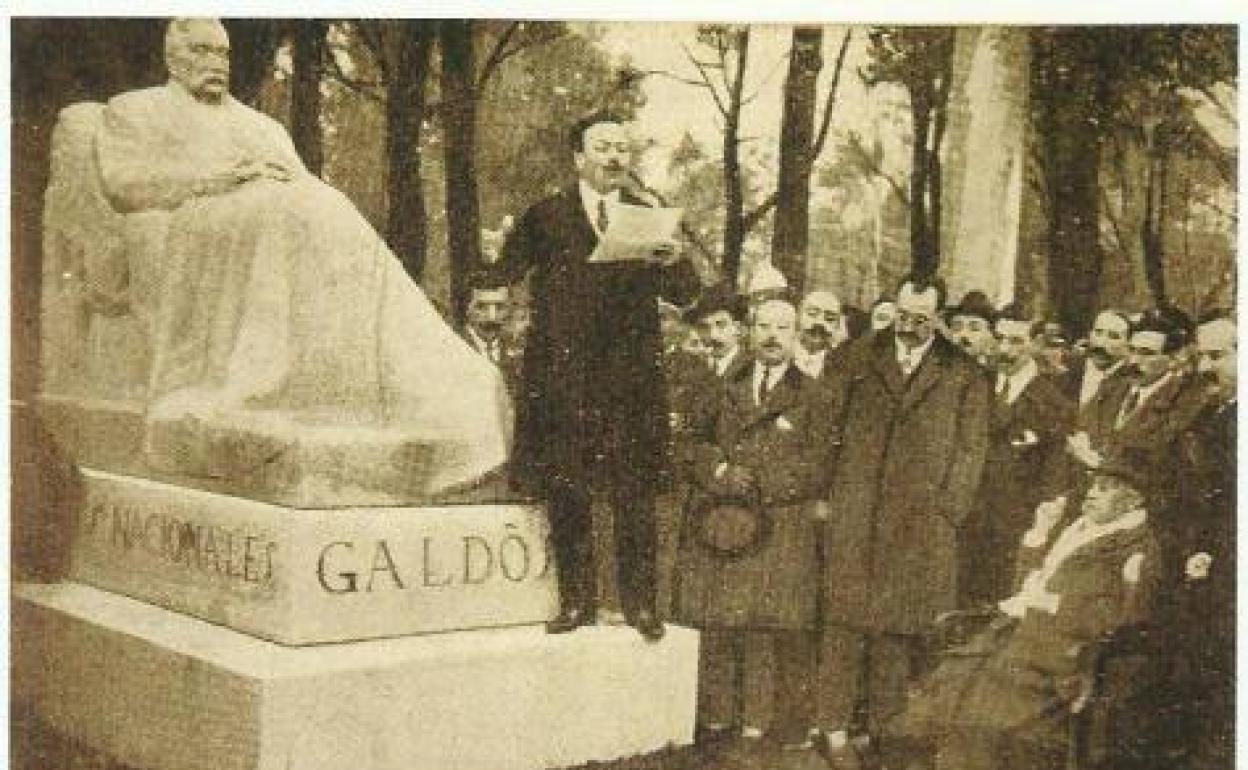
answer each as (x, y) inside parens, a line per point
(308, 576)
(156, 690)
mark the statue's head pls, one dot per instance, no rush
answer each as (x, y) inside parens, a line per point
(197, 53)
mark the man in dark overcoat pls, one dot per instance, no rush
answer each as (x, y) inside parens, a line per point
(751, 586)
(910, 411)
(1028, 423)
(1198, 617)
(591, 409)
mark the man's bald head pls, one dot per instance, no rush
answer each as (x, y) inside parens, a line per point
(197, 54)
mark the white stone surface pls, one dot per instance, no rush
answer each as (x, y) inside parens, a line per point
(301, 576)
(158, 690)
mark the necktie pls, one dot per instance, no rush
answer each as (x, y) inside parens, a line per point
(764, 384)
(1129, 405)
(602, 220)
(495, 352)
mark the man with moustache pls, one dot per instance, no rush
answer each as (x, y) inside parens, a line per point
(1105, 354)
(1137, 417)
(592, 418)
(488, 316)
(823, 332)
(1198, 614)
(748, 578)
(1028, 423)
(970, 326)
(909, 412)
(718, 316)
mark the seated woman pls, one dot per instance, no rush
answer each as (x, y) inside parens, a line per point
(1004, 699)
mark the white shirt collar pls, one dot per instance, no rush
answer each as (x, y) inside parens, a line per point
(1017, 382)
(1147, 391)
(910, 358)
(1093, 376)
(776, 374)
(721, 364)
(483, 346)
(590, 198)
(810, 364)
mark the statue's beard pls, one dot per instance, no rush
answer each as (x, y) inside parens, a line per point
(208, 88)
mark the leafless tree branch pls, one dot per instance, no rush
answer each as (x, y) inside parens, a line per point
(368, 89)
(706, 78)
(825, 123)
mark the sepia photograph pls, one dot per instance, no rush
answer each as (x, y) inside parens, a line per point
(540, 393)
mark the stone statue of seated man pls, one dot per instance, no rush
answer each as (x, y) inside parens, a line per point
(281, 335)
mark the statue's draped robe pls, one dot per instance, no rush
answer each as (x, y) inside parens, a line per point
(278, 299)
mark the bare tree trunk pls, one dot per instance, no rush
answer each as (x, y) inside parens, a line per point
(407, 71)
(459, 129)
(305, 92)
(1156, 212)
(791, 235)
(922, 239)
(1065, 102)
(734, 199)
(935, 170)
(253, 44)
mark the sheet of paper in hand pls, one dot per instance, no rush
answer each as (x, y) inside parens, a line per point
(636, 233)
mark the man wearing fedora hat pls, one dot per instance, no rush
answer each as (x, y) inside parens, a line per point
(747, 569)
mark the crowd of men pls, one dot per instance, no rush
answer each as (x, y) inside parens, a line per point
(840, 479)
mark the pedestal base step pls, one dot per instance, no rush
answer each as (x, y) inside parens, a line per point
(158, 690)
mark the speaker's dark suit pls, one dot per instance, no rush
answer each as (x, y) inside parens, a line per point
(591, 407)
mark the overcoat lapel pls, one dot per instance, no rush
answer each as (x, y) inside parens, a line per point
(884, 364)
(924, 378)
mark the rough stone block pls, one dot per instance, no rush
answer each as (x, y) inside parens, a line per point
(259, 456)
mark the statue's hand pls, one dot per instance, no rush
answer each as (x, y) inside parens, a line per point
(223, 182)
(276, 172)
(238, 175)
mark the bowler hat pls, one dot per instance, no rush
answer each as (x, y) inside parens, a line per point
(973, 303)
